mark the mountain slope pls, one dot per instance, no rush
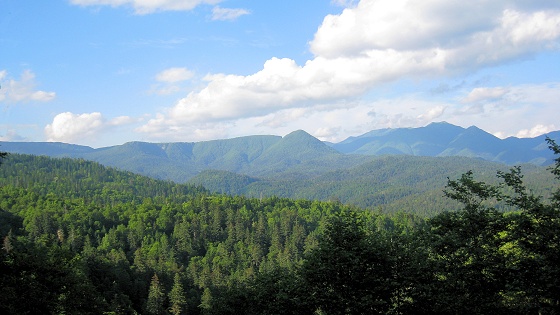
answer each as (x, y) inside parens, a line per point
(297, 155)
(392, 183)
(291, 151)
(444, 139)
(53, 149)
(425, 141)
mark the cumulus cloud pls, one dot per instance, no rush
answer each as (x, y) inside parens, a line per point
(520, 110)
(522, 106)
(22, 90)
(441, 35)
(70, 127)
(327, 133)
(432, 114)
(372, 43)
(148, 6)
(225, 14)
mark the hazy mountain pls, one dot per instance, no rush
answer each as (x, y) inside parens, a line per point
(297, 155)
(57, 149)
(444, 139)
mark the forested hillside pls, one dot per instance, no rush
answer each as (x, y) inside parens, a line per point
(298, 155)
(388, 183)
(79, 238)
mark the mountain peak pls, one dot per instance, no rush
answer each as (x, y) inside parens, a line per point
(300, 140)
(440, 123)
(298, 133)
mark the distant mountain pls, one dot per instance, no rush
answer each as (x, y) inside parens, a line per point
(252, 155)
(291, 152)
(444, 139)
(57, 149)
(297, 155)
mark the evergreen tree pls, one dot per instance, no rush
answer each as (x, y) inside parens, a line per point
(206, 301)
(350, 271)
(177, 298)
(156, 297)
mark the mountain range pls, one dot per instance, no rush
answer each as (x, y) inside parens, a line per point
(408, 165)
(298, 152)
(444, 139)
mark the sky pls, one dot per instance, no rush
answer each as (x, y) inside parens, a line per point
(105, 72)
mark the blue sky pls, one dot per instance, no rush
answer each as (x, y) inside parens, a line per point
(105, 72)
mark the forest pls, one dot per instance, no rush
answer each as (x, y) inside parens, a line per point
(82, 238)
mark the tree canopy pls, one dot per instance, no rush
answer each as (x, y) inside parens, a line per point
(79, 238)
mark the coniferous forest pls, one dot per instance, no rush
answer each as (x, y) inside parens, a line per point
(81, 238)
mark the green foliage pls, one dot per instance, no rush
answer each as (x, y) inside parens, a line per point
(393, 183)
(470, 192)
(38, 279)
(156, 297)
(554, 147)
(3, 155)
(350, 271)
(123, 228)
(78, 238)
(495, 262)
(177, 297)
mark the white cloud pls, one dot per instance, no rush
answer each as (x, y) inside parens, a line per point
(514, 116)
(22, 90)
(173, 75)
(11, 135)
(327, 134)
(520, 110)
(184, 132)
(449, 34)
(536, 131)
(485, 94)
(225, 14)
(169, 78)
(73, 128)
(372, 43)
(121, 120)
(432, 114)
(148, 6)
(69, 127)
(283, 118)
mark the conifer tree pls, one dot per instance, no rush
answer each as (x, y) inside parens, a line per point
(156, 297)
(177, 297)
(206, 300)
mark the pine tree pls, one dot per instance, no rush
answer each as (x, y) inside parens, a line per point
(7, 244)
(156, 297)
(206, 300)
(177, 297)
